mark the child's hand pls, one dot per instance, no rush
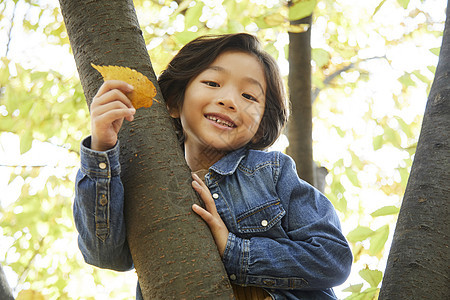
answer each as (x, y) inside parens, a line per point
(209, 215)
(108, 109)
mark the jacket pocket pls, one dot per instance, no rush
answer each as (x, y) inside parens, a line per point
(261, 218)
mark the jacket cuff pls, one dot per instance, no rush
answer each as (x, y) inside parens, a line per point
(235, 258)
(103, 164)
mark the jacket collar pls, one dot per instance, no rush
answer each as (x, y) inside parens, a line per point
(228, 164)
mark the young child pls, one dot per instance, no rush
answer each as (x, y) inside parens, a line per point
(279, 238)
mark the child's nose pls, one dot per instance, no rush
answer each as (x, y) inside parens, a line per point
(228, 104)
(228, 100)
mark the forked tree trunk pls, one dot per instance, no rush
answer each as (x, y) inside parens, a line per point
(299, 81)
(419, 259)
(173, 251)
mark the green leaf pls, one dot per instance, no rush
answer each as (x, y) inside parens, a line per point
(359, 234)
(25, 141)
(392, 136)
(317, 82)
(377, 142)
(235, 26)
(373, 277)
(367, 294)
(339, 131)
(378, 7)
(341, 205)
(404, 127)
(352, 176)
(406, 80)
(421, 77)
(432, 69)
(404, 175)
(403, 3)
(320, 56)
(435, 51)
(378, 240)
(4, 71)
(193, 14)
(301, 9)
(184, 37)
(261, 23)
(274, 19)
(354, 288)
(385, 211)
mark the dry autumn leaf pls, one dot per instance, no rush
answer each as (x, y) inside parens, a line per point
(144, 90)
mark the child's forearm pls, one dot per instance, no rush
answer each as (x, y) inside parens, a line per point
(98, 210)
(317, 263)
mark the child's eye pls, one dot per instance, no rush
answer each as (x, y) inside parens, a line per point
(211, 83)
(249, 97)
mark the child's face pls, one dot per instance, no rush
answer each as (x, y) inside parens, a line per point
(223, 106)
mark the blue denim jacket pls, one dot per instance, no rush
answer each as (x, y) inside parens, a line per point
(284, 235)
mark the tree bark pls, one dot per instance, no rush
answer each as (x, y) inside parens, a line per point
(419, 258)
(300, 124)
(5, 290)
(173, 250)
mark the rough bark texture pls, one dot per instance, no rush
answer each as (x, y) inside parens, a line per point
(419, 259)
(5, 291)
(173, 251)
(300, 123)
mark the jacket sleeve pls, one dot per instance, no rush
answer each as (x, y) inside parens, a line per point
(313, 254)
(98, 209)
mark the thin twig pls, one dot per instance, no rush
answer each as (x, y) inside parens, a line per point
(10, 30)
(24, 274)
(315, 92)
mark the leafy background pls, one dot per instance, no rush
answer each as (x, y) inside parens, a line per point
(373, 64)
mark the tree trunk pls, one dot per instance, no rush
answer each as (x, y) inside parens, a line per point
(419, 259)
(173, 250)
(5, 291)
(299, 81)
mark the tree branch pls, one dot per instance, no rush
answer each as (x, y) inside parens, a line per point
(329, 78)
(24, 274)
(10, 29)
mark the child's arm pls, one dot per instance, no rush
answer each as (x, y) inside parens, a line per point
(312, 252)
(209, 215)
(98, 205)
(98, 209)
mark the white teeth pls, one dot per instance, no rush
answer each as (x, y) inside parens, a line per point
(222, 122)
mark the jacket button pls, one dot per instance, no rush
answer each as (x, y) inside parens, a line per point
(215, 195)
(264, 223)
(103, 200)
(233, 277)
(102, 165)
(269, 282)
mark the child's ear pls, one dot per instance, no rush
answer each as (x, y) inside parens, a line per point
(174, 113)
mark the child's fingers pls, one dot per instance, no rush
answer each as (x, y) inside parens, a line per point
(204, 214)
(114, 84)
(112, 107)
(216, 225)
(112, 115)
(114, 95)
(204, 193)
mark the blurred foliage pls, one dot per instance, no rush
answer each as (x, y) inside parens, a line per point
(368, 161)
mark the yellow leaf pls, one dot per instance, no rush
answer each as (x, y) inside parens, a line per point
(30, 295)
(144, 90)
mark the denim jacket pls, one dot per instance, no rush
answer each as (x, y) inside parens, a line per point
(284, 235)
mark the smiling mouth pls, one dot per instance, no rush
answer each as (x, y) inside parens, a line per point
(220, 121)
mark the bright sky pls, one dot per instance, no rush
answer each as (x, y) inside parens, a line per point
(32, 50)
